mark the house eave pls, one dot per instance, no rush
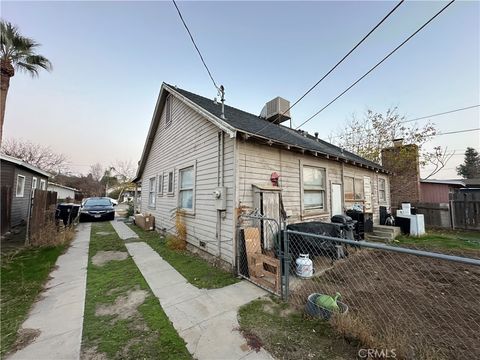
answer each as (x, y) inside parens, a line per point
(291, 147)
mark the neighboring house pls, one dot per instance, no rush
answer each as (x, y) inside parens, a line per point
(214, 167)
(63, 192)
(438, 191)
(21, 178)
(472, 183)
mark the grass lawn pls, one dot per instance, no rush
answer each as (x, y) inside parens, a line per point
(288, 334)
(456, 240)
(24, 274)
(195, 269)
(123, 319)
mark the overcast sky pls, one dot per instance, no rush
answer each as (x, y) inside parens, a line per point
(110, 59)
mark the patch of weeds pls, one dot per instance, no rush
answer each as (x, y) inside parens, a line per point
(459, 242)
(196, 270)
(123, 319)
(24, 274)
(289, 334)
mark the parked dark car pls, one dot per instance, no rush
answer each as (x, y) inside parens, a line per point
(97, 209)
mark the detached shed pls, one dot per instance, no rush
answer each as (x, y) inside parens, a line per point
(18, 179)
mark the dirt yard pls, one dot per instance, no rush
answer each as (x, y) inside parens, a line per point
(425, 308)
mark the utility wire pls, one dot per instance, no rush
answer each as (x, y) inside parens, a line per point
(194, 44)
(438, 114)
(457, 132)
(406, 121)
(378, 64)
(336, 65)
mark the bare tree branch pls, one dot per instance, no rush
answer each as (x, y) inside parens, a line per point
(37, 155)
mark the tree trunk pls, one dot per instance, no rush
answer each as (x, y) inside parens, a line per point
(6, 72)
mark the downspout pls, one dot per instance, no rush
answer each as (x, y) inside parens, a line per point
(220, 183)
(135, 200)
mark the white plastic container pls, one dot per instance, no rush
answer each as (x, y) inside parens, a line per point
(304, 266)
(406, 209)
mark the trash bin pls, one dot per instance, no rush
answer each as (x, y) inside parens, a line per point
(67, 213)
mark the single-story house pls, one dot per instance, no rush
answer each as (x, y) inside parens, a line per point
(438, 191)
(214, 164)
(18, 179)
(63, 192)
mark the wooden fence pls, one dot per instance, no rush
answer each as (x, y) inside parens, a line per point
(465, 206)
(42, 214)
(5, 208)
(435, 214)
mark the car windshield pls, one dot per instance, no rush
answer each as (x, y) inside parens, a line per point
(98, 202)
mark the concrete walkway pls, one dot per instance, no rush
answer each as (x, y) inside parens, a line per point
(59, 314)
(123, 231)
(205, 319)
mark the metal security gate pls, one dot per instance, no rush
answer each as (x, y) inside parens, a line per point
(260, 252)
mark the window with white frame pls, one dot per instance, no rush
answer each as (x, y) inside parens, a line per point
(160, 184)
(151, 192)
(43, 184)
(353, 189)
(170, 183)
(313, 188)
(185, 189)
(34, 182)
(168, 111)
(20, 190)
(382, 195)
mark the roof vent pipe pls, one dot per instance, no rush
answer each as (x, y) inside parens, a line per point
(221, 92)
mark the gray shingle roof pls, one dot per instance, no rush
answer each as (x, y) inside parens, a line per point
(253, 124)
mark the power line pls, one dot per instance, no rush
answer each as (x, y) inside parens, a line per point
(457, 132)
(378, 64)
(336, 65)
(194, 44)
(406, 121)
(442, 113)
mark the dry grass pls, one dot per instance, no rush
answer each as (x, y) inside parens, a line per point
(353, 328)
(178, 242)
(51, 235)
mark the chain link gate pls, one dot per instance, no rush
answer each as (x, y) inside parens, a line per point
(260, 253)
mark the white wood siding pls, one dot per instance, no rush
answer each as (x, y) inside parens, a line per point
(256, 163)
(192, 140)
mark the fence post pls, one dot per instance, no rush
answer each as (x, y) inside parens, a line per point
(29, 215)
(286, 265)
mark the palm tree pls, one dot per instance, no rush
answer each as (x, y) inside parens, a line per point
(17, 52)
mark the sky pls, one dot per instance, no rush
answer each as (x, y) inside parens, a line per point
(110, 59)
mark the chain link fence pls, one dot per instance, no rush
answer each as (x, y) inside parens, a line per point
(424, 305)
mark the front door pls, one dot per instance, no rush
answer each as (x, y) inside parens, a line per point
(337, 207)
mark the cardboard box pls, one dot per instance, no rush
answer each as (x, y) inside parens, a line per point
(145, 221)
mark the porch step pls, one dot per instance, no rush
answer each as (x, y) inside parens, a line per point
(395, 230)
(376, 238)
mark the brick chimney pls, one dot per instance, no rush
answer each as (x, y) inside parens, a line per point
(402, 161)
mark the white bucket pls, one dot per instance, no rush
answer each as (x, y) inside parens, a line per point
(304, 266)
(406, 208)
